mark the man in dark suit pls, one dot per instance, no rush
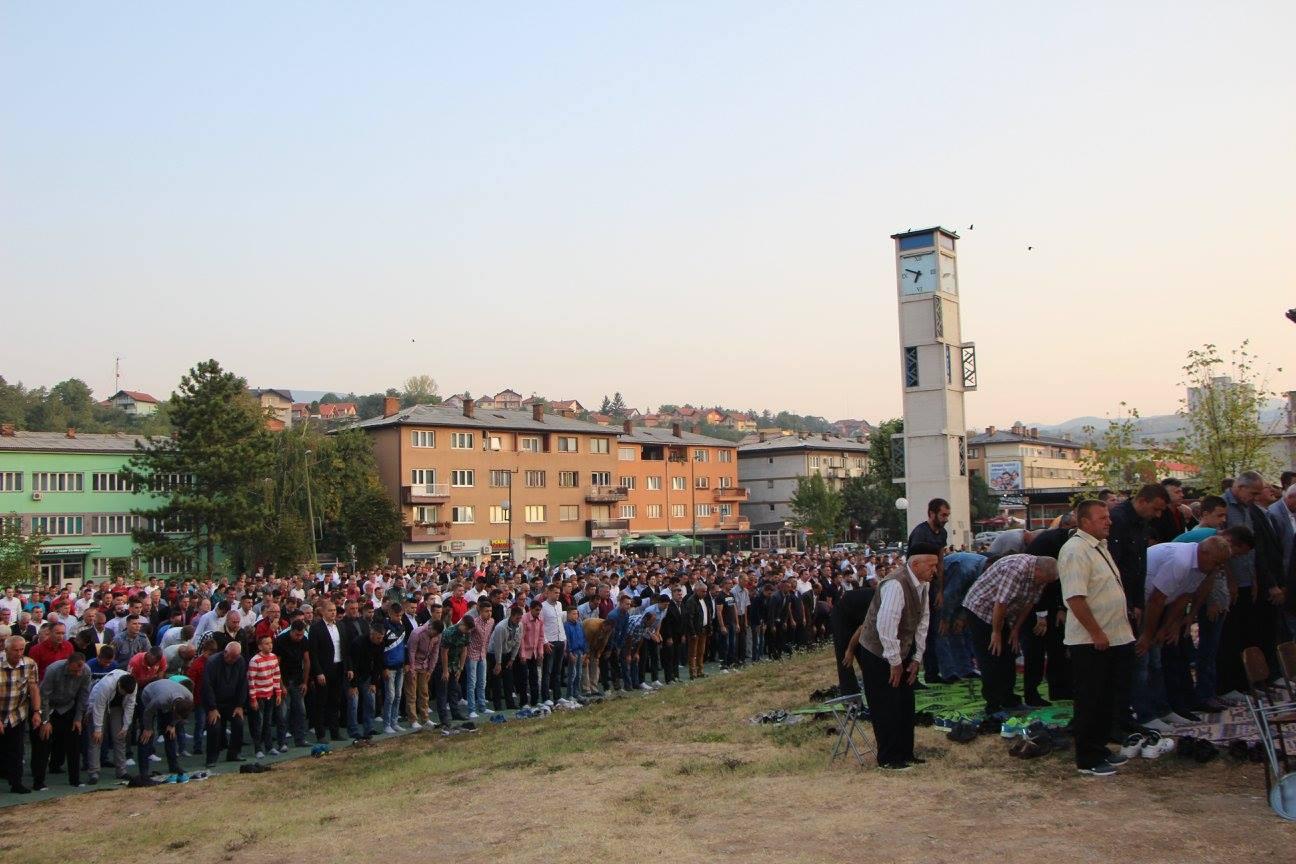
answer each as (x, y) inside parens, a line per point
(848, 613)
(1282, 515)
(329, 660)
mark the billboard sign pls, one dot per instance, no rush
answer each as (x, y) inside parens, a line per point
(1004, 476)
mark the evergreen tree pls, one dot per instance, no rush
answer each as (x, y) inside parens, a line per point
(208, 476)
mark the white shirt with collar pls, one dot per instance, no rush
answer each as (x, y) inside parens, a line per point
(553, 616)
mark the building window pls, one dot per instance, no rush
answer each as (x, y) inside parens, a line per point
(166, 566)
(57, 526)
(949, 365)
(911, 367)
(725, 456)
(461, 477)
(678, 511)
(498, 515)
(463, 515)
(101, 568)
(628, 482)
(422, 438)
(168, 482)
(568, 513)
(568, 444)
(461, 440)
(422, 476)
(492, 442)
(938, 315)
(679, 484)
(627, 511)
(653, 511)
(724, 509)
(726, 482)
(962, 445)
(568, 479)
(107, 481)
(769, 484)
(653, 484)
(529, 444)
(11, 481)
(599, 445)
(600, 478)
(501, 479)
(427, 514)
(534, 479)
(701, 482)
(113, 524)
(535, 513)
(165, 526)
(700, 456)
(626, 454)
(703, 510)
(58, 481)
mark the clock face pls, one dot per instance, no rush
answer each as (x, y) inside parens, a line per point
(948, 278)
(918, 273)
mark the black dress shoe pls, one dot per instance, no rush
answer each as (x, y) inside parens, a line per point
(917, 760)
(896, 766)
(1038, 702)
(918, 685)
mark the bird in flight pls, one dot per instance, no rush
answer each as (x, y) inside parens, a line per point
(1029, 248)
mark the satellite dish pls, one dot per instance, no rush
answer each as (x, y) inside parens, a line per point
(902, 503)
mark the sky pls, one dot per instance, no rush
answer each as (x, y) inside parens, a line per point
(682, 201)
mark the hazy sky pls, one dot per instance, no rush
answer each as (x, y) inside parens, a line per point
(686, 201)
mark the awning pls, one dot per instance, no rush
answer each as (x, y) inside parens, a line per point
(67, 551)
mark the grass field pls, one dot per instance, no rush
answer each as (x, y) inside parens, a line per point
(678, 776)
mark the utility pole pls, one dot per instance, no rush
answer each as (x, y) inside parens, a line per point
(310, 512)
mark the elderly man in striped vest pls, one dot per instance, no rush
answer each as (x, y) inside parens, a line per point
(888, 648)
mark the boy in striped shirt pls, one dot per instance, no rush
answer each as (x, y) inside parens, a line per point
(265, 695)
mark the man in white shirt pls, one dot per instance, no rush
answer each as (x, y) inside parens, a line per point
(1176, 575)
(553, 616)
(888, 646)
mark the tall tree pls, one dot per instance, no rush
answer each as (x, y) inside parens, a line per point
(18, 552)
(984, 504)
(208, 475)
(1226, 432)
(869, 500)
(618, 406)
(420, 390)
(817, 509)
(1116, 458)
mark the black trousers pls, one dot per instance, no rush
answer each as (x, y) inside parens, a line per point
(329, 703)
(233, 739)
(1046, 659)
(847, 680)
(499, 688)
(1249, 623)
(1096, 685)
(998, 673)
(670, 671)
(930, 659)
(11, 753)
(63, 746)
(891, 710)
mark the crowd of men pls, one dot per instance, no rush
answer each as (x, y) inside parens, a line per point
(1137, 608)
(92, 680)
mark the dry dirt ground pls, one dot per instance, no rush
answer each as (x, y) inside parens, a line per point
(678, 776)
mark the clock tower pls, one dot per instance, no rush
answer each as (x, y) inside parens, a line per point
(936, 368)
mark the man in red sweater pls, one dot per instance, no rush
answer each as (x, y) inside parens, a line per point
(54, 647)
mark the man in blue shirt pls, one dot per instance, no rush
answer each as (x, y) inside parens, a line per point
(954, 643)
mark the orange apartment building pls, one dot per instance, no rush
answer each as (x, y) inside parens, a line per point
(478, 483)
(679, 482)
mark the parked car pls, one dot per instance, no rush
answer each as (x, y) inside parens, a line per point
(981, 542)
(845, 547)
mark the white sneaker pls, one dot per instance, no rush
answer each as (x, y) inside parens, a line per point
(398, 727)
(472, 715)
(645, 686)
(416, 726)
(656, 685)
(548, 703)
(387, 730)
(260, 754)
(1133, 746)
(1160, 726)
(463, 701)
(153, 757)
(130, 763)
(1156, 748)
(488, 710)
(275, 751)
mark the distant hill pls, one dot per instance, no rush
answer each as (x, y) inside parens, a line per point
(1159, 427)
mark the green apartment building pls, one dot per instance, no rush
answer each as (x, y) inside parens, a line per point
(69, 487)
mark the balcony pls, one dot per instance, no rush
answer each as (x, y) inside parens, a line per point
(426, 493)
(736, 494)
(733, 523)
(427, 532)
(603, 529)
(606, 494)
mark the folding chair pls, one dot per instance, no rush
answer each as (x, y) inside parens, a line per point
(847, 712)
(1287, 665)
(1271, 712)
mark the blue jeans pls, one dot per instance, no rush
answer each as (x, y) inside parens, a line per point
(1149, 694)
(954, 654)
(551, 678)
(292, 720)
(1208, 642)
(475, 686)
(393, 684)
(573, 675)
(263, 722)
(730, 646)
(360, 709)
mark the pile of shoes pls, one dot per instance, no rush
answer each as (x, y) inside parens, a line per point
(568, 704)
(825, 694)
(963, 731)
(778, 715)
(320, 750)
(1244, 751)
(254, 768)
(1149, 745)
(498, 718)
